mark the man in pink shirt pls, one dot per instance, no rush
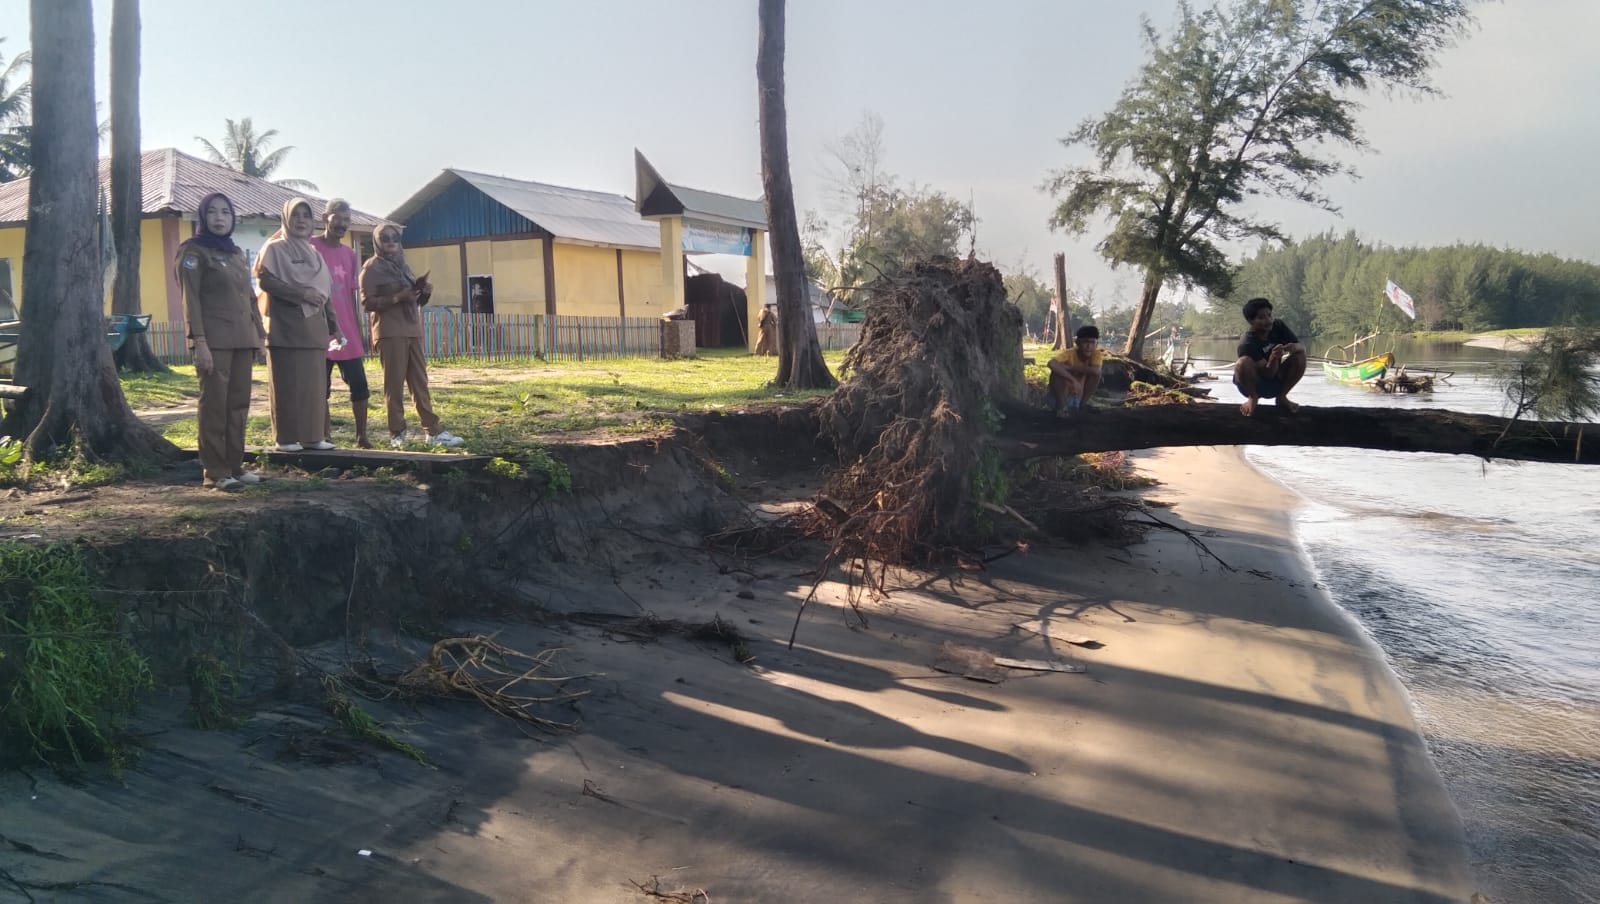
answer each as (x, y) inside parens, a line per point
(345, 298)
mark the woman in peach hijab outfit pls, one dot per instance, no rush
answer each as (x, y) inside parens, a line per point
(295, 283)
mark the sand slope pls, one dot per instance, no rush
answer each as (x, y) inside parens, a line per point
(1233, 739)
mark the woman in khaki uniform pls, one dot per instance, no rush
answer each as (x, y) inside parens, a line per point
(228, 338)
(296, 283)
(394, 295)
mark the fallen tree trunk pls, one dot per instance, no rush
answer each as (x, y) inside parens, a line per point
(1030, 433)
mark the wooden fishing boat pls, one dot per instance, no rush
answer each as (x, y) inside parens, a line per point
(1359, 373)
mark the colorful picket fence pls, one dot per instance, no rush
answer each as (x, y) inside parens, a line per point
(487, 337)
(170, 342)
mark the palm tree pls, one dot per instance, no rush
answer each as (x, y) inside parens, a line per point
(800, 364)
(249, 152)
(16, 119)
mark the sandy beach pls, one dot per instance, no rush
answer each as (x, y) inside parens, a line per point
(1234, 738)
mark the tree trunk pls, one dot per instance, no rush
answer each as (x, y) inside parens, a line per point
(127, 187)
(1134, 347)
(1063, 319)
(1028, 433)
(62, 356)
(800, 364)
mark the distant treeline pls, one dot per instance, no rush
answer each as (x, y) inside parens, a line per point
(1330, 285)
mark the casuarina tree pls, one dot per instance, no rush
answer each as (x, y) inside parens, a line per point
(1241, 100)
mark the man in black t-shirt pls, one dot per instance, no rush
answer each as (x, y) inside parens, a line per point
(1271, 359)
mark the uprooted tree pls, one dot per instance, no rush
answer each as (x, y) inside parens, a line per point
(73, 395)
(940, 354)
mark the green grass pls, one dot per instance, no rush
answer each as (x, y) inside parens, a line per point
(257, 431)
(629, 395)
(623, 396)
(212, 686)
(1529, 332)
(69, 675)
(361, 724)
(161, 390)
(69, 469)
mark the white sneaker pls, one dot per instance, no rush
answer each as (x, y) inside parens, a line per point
(443, 438)
(398, 440)
(288, 447)
(228, 484)
(248, 478)
(320, 445)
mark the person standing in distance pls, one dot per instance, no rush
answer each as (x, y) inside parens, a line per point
(228, 337)
(394, 296)
(295, 283)
(345, 299)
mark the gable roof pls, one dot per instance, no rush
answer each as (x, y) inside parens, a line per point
(174, 183)
(568, 214)
(660, 198)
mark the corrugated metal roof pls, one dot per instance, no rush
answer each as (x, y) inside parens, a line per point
(174, 182)
(569, 214)
(709, 205)
(660, 198)
(461, 212)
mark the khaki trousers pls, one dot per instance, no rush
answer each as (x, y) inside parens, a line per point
(224, 407)
(403, 367)
(299, 395)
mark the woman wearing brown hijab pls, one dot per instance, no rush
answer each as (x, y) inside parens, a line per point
(395, 295)
(300, 322)
(228, 336)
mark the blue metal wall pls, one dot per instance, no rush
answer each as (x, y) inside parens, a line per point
(463, 212)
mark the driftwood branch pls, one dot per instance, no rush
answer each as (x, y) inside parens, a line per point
(1030, 433)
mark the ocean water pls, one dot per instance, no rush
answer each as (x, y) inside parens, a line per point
(1482, 584)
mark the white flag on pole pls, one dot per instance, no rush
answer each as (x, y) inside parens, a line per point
(1400, 298)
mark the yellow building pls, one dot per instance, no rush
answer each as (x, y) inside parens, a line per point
(496, 245)
(173, 183)
(505, 246)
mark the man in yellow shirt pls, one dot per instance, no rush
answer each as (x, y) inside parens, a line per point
(1075, 373)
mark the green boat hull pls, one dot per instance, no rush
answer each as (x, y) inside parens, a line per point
(1360, 372)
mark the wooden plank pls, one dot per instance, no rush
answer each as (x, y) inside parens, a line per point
(1041, 665)
(371, 459)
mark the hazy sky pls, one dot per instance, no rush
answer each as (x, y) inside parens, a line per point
(973, 97)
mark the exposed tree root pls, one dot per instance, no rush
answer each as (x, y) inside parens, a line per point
(506, 681)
